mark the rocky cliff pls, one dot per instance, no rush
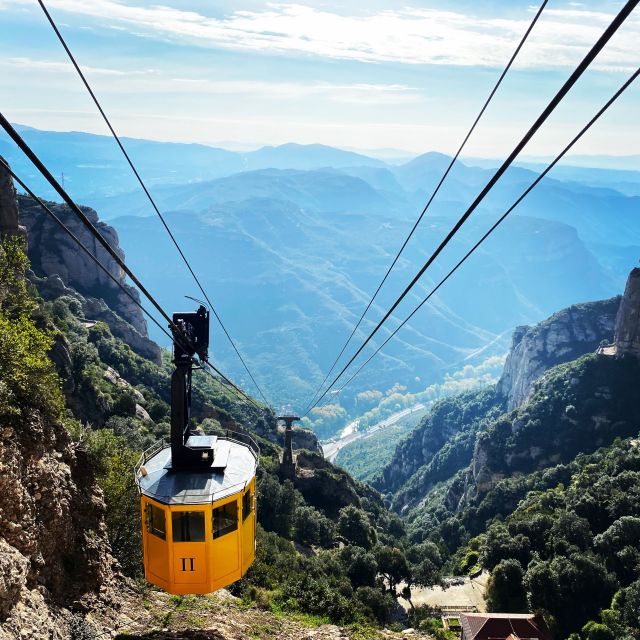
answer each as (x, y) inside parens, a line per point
(563, 337)
(627, 335)
(63, 269)
(55, 560)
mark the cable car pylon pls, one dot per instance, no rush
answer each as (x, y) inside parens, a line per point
(197, 493)
(288, 462)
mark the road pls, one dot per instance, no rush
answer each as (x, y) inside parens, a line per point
(330, 449)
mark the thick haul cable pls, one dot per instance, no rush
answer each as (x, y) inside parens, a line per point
(500, 220)
(624, 13)
(146, 191)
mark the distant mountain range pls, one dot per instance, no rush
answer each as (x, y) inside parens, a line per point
(291, 241)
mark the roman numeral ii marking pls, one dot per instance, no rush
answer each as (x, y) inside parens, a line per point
(184, 564)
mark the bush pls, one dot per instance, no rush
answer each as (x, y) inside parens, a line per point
(28, 379)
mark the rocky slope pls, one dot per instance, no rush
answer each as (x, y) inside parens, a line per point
(443, 443)
(563, 337)
(67, 271)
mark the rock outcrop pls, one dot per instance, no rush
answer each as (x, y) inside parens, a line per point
(8, 204)
(563, 337)
(52, 252)
(63, 269)
(627, 336)
(54, 552)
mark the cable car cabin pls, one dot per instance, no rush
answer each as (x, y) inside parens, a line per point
(199, 528)
(198, 495)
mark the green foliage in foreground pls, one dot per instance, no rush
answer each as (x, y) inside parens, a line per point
(28, 380)
(571, 549)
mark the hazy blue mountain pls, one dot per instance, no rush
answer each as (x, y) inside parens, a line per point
(306, 156)
(290, 283)
(93, 165)
(317, 190)
(290, 256)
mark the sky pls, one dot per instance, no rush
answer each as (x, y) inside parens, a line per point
(378, 75)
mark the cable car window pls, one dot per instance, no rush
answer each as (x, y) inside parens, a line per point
(225, 519)
(156, 523)
(247, 504)
(188, 526)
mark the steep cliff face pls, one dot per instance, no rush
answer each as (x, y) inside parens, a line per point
(8, 204)
(54, 552)
(53, 252)
(62, 269)
(627, 336)
(563, 337)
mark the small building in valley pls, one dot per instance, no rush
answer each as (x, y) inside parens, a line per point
(503, 626)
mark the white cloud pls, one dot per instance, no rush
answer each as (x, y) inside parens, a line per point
(348, 92)
(407, 36)
(66, 67)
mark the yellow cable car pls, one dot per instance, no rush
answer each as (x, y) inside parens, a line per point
(198, 494)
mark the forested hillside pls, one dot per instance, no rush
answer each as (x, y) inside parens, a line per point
(544, 495)
(79, 405)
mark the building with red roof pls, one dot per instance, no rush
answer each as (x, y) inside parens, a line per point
(503, 626)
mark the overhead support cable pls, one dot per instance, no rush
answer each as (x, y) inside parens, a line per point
(77, 240)
(432, 197)
(24, 147)
(624, 13)
(147, 193)
(559, 157)
(177, 334)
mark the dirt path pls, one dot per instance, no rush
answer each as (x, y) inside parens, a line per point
(471, 593)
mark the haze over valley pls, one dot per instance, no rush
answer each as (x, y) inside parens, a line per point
(291, 242)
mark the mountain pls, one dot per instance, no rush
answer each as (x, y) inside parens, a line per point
(93, 167)
(526, 478)
(306, 248)
(446, 440)
(78, 405)
(307, 157)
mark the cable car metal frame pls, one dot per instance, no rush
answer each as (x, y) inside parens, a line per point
(197, 492)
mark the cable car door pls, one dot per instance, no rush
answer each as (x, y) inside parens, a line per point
(248, 528)
(189, 547)
(225, 548)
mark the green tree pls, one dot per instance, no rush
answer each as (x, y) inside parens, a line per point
(361, 566)
(597, 631)
(505, 591)
(354, 526)
(393, 566)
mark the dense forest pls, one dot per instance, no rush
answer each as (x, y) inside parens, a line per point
(546, 498)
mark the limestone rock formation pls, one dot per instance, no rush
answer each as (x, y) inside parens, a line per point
(54, 551)
(563, 337)
(51, 251)
(65, 269)
(305, 439)
(627, 336)
(8, 204)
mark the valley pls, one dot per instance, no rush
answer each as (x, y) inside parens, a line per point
(306, 243)
(331, 449)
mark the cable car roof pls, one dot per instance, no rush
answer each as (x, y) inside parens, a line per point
(234, 466)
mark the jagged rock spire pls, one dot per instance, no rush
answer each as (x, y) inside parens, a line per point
(8, 205)
(627, 337)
